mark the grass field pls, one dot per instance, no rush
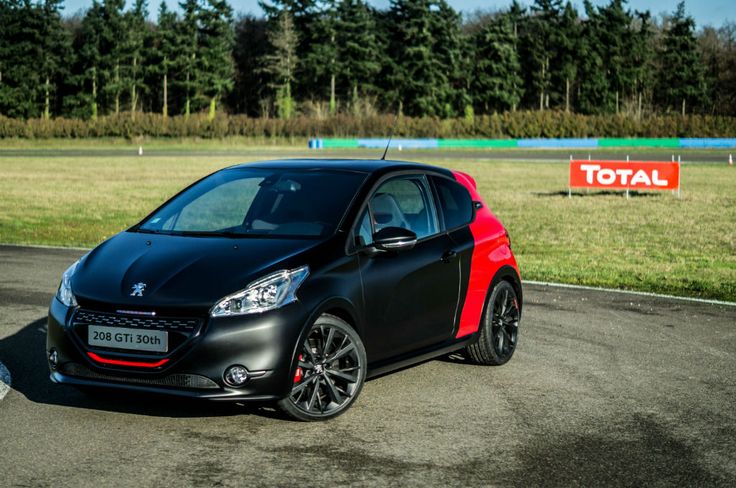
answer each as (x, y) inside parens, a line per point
(651, 242)
(156, 144)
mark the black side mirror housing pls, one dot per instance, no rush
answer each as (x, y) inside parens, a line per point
(394, 239)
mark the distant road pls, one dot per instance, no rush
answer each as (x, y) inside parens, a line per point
(605, 389)
(704, 156)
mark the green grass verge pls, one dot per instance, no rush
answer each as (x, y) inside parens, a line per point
(652, 242)
(156, 144)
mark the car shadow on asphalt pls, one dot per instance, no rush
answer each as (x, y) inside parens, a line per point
(24, 355)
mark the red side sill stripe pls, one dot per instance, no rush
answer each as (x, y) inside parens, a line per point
(120, 362)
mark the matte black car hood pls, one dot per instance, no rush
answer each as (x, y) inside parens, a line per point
(179, 272)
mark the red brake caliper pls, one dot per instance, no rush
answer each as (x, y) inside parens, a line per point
(299, 373)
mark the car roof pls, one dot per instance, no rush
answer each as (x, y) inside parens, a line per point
(360, 165)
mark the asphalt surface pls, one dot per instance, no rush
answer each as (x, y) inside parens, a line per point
(256, 153)
(605, 389)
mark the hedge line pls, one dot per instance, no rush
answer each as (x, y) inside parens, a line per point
(507, 125)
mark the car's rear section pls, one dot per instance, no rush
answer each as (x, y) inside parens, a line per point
(492, 266)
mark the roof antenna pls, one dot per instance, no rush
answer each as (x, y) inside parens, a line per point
(390, 136)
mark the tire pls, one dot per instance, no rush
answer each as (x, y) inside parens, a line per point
(331, 370)
(499, 334)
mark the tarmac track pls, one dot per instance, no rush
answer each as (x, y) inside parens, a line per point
(605, 389)
(257, 153)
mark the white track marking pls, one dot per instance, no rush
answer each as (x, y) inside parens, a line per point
(4, 381)
(627, 292)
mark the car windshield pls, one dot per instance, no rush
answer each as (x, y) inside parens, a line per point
(259, 202)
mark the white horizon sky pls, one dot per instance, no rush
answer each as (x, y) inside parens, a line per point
(705, 12)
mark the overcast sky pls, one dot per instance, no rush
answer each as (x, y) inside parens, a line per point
(705, 12)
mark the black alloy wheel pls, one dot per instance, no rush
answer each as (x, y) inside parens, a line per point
(500, 327)
(330, 372)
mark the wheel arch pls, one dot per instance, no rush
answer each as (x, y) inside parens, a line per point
(504, 273)
(508, 273)
(340, 308)
(336, 306)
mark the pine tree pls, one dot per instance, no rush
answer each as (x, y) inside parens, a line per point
(215, 52)
(319, 67)
(307, 83)
(280, 63)
(188, 33)
(568, 52)
(54, 50)
(614, 38)
(89, 60)
(539, 44)
(497, 82)
(641, 56)
(594, 89)
(682, 78)
(251, 44)
(718, 53)
(6, 20)
(449, 46)
(301, 12)
(465, 78)
(516, 14)
(167, 47)
(136, 36)
(21, 84)
(357, 51)
(114, 37)
(426, 52)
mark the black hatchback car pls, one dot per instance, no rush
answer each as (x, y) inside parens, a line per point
(290, 281)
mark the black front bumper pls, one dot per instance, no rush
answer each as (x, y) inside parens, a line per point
(262, 343)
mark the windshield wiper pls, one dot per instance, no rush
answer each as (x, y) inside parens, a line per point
(203, 233)
(210, 233)
(148, 231)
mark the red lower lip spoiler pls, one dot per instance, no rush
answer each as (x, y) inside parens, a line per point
(120, 362)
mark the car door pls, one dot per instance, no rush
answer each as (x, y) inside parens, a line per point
(410, 296)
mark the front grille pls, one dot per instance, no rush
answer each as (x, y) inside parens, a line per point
(90, 317)
(180, 330)
(193, 381)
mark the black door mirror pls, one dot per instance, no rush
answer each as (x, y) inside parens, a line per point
(394, 239)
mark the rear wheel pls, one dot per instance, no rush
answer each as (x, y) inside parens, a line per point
(330, 372)
(499, 333)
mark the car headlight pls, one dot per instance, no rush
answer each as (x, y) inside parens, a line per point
(270, 292)
(65, 294)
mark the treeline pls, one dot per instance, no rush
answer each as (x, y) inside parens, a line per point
(322, 58)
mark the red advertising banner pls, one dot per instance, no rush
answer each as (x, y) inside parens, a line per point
(644, 175)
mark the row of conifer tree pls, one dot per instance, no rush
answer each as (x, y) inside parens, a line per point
(322, 57)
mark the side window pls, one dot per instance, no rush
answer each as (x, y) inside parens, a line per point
(404, 202)
(455, 202)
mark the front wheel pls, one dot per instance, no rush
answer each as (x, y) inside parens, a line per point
(499, 328)
(330, 372)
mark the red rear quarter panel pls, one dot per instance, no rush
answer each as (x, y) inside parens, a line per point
(491, 252)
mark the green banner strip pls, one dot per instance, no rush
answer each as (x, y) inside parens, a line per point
(674, 143)
(339, 143)
(612, 142)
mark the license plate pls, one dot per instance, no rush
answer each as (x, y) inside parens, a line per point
(118, 338)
